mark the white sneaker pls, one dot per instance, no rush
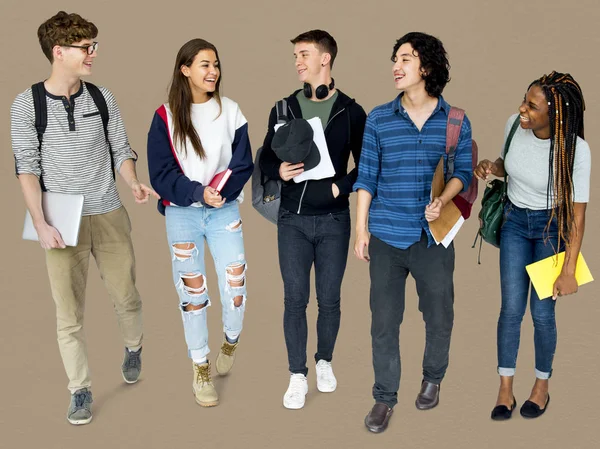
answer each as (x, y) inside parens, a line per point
(295, 395)
(326, 381)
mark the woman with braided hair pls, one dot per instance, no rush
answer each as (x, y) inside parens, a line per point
(548, 169)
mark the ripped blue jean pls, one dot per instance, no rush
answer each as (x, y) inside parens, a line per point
(187, 229)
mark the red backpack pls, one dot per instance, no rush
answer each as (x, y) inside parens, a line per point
(464, 200)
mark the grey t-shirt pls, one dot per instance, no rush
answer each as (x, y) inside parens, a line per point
(527, 167)
(311, 108)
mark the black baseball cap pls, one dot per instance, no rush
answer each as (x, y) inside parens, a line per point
(293, 143)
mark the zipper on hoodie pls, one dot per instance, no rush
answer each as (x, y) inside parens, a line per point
(306, 182)
(334, 116)
(302, 196)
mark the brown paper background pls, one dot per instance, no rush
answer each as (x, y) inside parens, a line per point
(495, 48)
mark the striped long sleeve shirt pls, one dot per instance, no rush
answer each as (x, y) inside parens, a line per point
(74, 157)
(396, 167)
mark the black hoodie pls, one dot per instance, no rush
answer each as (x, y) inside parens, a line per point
(344, 134)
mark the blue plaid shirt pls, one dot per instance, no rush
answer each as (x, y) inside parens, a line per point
(396, 167)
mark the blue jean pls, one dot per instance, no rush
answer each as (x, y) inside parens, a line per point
(433, 271)
(222, 229)
(523, 240)
(304, 240)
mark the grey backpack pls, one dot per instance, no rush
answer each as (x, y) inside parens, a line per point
(266, 192)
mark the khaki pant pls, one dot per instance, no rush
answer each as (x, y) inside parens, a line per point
(107, 237)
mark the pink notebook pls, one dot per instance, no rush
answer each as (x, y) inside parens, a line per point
(218, 182)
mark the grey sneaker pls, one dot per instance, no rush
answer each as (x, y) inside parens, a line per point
(80, 409)
(132, 365)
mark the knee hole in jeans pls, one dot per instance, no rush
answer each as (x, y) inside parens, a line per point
(235, 226)
(236, 280)
(184, 251)
(193, 285)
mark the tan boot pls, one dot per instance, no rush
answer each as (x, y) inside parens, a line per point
(226, 357)
(204, 390)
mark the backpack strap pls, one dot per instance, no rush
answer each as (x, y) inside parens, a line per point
(282, 117)
(100, 102)
(453, 127)
(511, 134)
(41, 112)
(41, 116)
(281, 108)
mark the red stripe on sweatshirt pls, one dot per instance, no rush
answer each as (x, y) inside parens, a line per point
(162, 112)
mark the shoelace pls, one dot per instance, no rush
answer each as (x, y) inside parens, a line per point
(133, 360)
(203, 374)
(296, 387)
(81, 399)
(324, 370)
(228, 348)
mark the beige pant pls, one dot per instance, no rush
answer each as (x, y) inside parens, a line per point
(107, 237)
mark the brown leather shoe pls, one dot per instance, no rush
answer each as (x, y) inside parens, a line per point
(377, 419)
(428, 397)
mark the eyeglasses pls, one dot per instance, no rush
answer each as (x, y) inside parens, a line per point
(88, 48)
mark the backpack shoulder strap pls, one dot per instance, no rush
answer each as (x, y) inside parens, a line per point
(281, 107)
(40, 108)
(453, 127)
(100, 104)
(511, 134)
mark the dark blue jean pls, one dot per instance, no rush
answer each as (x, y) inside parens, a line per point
(304, 240)
(432, 269)
(524, 240)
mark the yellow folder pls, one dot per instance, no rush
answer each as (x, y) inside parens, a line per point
(544, 273)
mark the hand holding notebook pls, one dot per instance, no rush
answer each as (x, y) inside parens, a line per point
(61, 211)
(544, 273)
(220, 179)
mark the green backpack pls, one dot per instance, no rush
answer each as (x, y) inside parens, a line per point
(492, 205)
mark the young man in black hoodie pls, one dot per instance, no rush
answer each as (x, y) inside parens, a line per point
(314, 217)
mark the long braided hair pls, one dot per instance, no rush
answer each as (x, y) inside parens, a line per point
(565, 111)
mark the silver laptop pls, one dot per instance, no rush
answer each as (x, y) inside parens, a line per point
(61, 210)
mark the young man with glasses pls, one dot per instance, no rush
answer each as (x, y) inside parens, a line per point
(75, 156)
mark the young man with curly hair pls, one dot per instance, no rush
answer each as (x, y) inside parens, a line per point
(76, 154)
(403, 142)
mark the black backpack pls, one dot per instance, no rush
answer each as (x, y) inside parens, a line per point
(41, 114)
(266, 192)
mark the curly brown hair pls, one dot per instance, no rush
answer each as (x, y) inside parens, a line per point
(64, 29)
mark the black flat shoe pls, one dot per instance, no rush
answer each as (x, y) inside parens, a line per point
(502, 412)
(532, 410)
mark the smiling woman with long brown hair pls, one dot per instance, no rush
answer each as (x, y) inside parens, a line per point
(195, 140)
(548, 168)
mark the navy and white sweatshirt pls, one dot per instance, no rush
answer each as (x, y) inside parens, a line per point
(180, 176)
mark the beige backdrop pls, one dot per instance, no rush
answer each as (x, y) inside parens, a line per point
(495, 49)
